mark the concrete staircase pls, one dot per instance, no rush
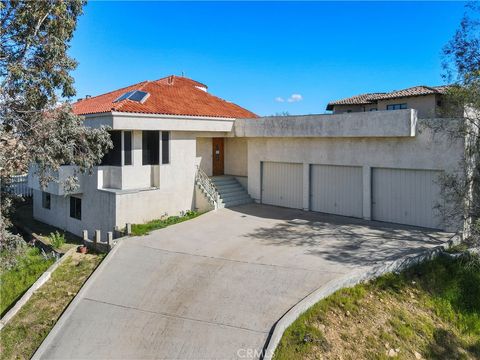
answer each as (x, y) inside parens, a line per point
(230, 191)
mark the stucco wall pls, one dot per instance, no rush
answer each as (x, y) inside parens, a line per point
(236, 156)
(176, 186)
(98, 210)
(420, 152)
(204, 154)
(426, 105)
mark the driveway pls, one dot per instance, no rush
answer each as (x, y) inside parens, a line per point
(213, 287)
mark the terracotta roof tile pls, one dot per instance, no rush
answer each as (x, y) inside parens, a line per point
(372, 98)
(172, 95)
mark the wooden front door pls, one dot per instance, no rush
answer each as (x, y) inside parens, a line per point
(218, 156)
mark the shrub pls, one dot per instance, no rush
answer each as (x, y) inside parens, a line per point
(56, 239)
(12, 247)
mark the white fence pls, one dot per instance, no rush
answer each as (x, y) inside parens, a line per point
(19, 186)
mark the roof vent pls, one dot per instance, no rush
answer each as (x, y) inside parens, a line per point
(135, 95)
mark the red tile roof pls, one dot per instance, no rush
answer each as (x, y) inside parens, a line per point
(172, 95)
(372, 98)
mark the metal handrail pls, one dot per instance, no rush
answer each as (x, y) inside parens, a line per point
(207, 185)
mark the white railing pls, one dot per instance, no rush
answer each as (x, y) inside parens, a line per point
(207, 186)
(19, 186)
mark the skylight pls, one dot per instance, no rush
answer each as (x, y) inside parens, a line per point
(135, 95)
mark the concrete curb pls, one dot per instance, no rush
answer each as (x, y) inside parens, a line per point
(70, 308)
(347, 280)
(31, 290)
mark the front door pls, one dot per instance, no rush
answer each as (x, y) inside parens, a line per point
(218, 156)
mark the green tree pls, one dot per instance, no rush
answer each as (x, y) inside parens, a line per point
(37, 124)
(461, 63)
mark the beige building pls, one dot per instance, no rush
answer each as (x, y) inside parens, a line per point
(177, 147)
(427, 100)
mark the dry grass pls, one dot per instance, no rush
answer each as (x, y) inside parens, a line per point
(20, 338)
(430, 312)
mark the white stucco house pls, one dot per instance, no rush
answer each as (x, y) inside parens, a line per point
(177, 147)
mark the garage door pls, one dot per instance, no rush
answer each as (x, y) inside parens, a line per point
(282, 184)
(406, 196)
(336, 190)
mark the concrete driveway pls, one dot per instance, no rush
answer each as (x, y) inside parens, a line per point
(213, 287)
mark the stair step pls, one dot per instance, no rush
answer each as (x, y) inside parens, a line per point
(238, 202)
(233, 194)
(228, 186)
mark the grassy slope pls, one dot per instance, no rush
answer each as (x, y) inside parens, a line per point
(25, 332)
(143, 229)
(14, 282)
(431, 311)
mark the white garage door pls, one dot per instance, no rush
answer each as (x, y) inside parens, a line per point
(336, 190)
(282, 184)
(406, 196)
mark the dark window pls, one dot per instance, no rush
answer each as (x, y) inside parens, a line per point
(46, 200)
(439, 102)
(114, 156)
(373, 109)
(165, 147)
(127, 147)
(396, 106)
(150, 148)
(76, 208)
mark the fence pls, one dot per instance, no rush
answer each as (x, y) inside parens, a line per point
(19, 186)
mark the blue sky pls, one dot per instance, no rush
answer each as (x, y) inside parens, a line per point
(253, 53)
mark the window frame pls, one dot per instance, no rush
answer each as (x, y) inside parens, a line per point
(164, 161)
(401, 106)
(46, 200)
(151, 140)
(76, 211)
(124, 148)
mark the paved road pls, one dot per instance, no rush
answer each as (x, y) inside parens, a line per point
(213, 287)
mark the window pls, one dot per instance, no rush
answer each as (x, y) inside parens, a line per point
(373, 109)
(165, 147)
(46, 200)
(127, 148)
(76, 208)
(114, 156)
(150, 147)
(396, 106)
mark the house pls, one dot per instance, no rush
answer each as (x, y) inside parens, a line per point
(177, 147)
(427, 100)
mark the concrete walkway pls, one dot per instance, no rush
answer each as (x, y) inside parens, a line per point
(213, 287)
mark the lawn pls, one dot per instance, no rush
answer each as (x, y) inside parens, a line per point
(144, 229)
(20, 338)
(14, 282)
(431, 311)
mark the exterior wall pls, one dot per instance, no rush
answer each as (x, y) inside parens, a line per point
(176, 186)
(103, 209)
(98, 210)
(236, 156)
(426, 105)
(201, 202)
(204, 154)
(420, 152)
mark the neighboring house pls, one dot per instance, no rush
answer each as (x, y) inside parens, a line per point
(173, 141)
(427, 100)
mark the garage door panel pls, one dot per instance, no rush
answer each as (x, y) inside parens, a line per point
(282, 184)
(406, 196)
(337, 190)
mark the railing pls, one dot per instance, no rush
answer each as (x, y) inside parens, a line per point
(207, 186)
(18, 185)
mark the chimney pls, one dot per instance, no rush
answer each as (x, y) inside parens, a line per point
(88, 96)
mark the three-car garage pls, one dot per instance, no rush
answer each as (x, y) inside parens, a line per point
(403, 196)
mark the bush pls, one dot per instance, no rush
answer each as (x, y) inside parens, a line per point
(12, 247)
(56, 239)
